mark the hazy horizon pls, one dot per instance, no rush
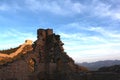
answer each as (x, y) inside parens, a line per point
(90, 29)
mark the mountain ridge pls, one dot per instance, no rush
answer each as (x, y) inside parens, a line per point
(98, 64)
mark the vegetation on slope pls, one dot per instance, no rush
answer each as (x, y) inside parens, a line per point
(114, 68)
(8, 51)
(8, 60)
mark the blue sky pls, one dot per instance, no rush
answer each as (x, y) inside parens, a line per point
(90, 29)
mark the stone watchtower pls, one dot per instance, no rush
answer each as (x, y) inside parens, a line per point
(44, 59)
(49, 54)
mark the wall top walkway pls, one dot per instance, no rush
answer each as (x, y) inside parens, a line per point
(11, 55)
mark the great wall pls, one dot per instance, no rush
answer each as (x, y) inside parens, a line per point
(44, 59)
(19, 50)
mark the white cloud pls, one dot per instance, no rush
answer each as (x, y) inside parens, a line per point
(91, 33)
(13, 38)
(83, 47)
(102, 9)
(106, 33)
(96, 55)
(13, 7)
(64, 7)
(89, 53)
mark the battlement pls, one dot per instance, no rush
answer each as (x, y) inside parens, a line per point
(28, 42)
(44, 32)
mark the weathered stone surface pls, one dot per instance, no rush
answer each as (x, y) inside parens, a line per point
(47, 61)
(28, 42)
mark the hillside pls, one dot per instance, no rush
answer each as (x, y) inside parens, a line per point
(114, 68)
(99, 64)
(8, 51)
(7, 56)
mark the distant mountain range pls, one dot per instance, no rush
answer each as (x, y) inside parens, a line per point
(96, 65)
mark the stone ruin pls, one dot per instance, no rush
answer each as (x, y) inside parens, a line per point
(46, 61)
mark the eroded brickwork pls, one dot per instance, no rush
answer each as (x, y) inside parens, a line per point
(47, 61)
